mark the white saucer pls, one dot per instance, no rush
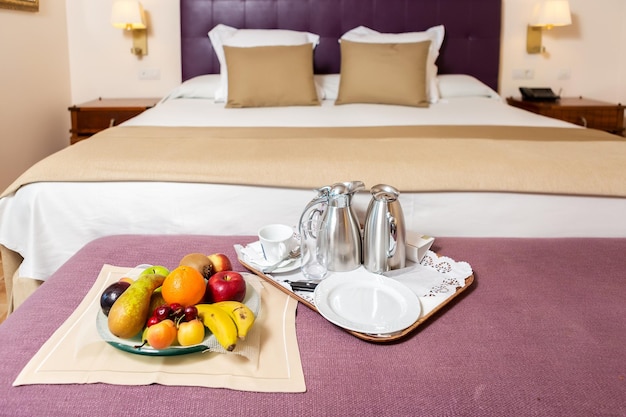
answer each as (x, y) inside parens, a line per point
(252, 254)
(367, 303)
(287, 266)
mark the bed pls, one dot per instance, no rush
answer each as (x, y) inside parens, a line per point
(466, 163)
(492, 352)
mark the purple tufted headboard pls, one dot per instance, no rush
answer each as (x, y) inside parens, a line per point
(471, 45)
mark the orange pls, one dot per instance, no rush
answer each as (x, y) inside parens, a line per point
(183, 285)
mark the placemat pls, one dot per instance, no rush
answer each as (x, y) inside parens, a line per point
(76, 353)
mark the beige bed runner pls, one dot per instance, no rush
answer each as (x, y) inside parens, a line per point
(412, 158)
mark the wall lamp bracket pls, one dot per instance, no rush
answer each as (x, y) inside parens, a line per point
(533, 40)
(130, 16)
(140, 42)
(549, 13)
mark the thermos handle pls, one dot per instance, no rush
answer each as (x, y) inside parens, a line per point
(393, 235)
(310, 212)
(315, 216)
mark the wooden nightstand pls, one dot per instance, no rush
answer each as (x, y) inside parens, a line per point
(581, 111)
(96, 115)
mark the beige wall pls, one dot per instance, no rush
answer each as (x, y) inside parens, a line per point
(591, 49)
(100, 58)
(42, 72)
(34, 87)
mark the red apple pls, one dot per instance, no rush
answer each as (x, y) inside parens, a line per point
(225, 286)
(220, 262)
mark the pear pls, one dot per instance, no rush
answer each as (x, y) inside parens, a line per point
(156, 300)
(131, 310)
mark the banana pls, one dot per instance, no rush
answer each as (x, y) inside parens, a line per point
(220, 324)
(241, 315)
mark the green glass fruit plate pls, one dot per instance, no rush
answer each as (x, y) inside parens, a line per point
(134, 345)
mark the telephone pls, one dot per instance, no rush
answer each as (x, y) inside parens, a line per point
(538, 94)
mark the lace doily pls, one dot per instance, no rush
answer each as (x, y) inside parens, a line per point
(453, 273)
(434, 279)
(435, 276)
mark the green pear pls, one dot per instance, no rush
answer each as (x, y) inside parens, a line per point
(131, 310)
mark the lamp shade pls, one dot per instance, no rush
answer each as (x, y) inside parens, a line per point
(128, 14)
(553, 13)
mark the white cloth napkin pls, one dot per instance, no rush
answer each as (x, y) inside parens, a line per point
(76, 353)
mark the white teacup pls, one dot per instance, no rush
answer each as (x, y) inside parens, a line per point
(276, 241)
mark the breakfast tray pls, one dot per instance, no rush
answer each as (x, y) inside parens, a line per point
(443, 265)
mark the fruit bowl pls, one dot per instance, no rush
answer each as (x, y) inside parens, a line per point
(133, 345)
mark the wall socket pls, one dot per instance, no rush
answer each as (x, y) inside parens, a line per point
(523, 74)
(564, 74)
(149, 74)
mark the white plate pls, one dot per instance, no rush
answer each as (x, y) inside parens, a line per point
(370, 303)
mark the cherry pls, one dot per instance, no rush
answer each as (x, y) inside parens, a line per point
(176, 310)
(152, 321)
(191, 313)
(162, 312)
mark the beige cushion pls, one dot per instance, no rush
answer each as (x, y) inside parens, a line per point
(383, 73)
(222, 35)
(434, 34)
(270, 76)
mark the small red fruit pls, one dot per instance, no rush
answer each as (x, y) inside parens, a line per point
(176, 310)
(152, 321)
(225, 286)
(220, 262)
(162, 312)
(191, 313)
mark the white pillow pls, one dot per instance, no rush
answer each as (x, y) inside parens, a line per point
(222, 35)
(202, 86)
(327, 86)
(462, 85)
(434, 34)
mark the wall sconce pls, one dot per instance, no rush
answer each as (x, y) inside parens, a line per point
(130, 16)
(550, 13)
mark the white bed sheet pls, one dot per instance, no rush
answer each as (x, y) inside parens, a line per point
(454, 111)
(34, 222)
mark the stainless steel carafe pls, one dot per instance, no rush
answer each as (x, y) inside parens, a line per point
(339, 236)
(384, 231)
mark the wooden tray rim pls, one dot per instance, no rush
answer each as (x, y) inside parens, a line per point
(365, 336)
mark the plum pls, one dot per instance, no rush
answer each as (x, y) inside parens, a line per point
(112, 293)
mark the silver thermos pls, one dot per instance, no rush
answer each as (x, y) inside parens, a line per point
(339, 240)
(384, 231)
